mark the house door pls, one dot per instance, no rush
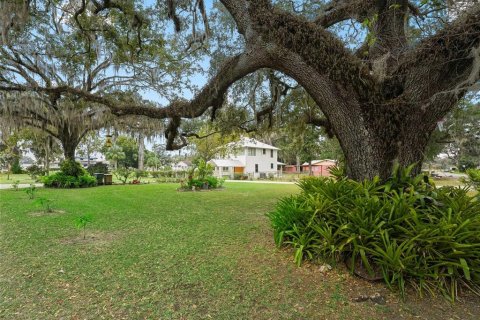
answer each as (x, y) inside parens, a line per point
(256, 167)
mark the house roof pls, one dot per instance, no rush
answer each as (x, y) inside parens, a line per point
(324, 162)
(226, 163)
(252, 143)
(183, 163)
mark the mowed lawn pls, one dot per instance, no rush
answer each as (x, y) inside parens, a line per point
(154, 253)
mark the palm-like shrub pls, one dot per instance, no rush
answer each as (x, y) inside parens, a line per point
(473, 178)
(404, 230)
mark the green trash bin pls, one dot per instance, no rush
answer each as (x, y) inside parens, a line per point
(99, 177)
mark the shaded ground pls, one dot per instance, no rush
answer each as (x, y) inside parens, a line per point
(151, 252)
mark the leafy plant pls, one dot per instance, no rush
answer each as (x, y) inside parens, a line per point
(203, 169)
(123, 174)
(72, 168)
(405, 230)
(139, 174)
(15, 185)
(46, 204)
(71, 175)
(473, 179)
(81, 223)
(61, 180)
(195, 184)
(31, 191)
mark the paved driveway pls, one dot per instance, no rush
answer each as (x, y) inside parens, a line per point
(21, 185)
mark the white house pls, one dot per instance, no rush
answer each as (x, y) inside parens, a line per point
(247, 157)
(182, 165)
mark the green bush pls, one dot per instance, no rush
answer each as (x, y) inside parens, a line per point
(167, 174)
(98, 167)
(61, 180)
(198, 184)
(404, 230)
(212, 182)
(123, 174)
(140, 174)
(240, 176)
(16, 168)
(473, 179)
(72, 168)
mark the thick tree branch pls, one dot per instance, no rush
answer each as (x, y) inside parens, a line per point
(341, 10)
(212, 95)
(453, 51)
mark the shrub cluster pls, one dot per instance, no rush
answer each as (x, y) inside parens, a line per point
(200, 177)
(240, 176)
(405, 230)
(71, 175)
(168, 174)
(123, 173)
(208, 182)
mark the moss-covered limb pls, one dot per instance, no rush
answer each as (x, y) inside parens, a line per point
(210, 96)
(341, 10)
(445, 64)
(239, 12)
(388, 24)
(318, 48)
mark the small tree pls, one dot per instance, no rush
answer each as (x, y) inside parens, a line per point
(46, 204)
(203, 169)
(82, 222)
(114, 154)
(31, 191)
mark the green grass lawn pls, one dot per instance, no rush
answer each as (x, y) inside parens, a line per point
(9, 179)
(154, 253)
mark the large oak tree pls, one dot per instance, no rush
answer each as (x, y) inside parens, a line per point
(382, 101)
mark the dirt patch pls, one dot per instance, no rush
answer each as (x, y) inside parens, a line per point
(96, 238)
(46, 213)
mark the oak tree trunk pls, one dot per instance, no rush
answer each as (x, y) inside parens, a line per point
(69, 145)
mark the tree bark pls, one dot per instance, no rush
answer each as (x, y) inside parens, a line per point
(141, 151)
(69, 145)
(47, 155)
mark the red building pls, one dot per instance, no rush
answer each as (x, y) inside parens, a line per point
(320, 168)
(290, 168)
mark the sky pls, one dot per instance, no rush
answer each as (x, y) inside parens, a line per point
(197, 79)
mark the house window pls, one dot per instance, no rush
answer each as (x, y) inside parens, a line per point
(251, 152)
(271, 165)
(256, 168)
(264, 151)
(225, 169)
(271, 153)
